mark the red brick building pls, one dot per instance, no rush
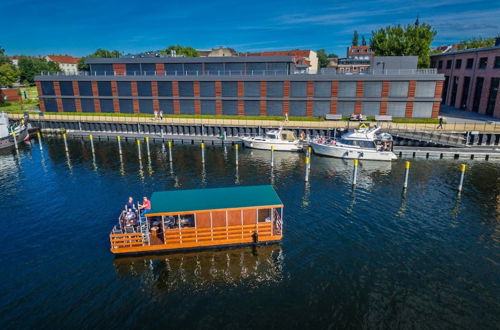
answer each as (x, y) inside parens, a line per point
(472, 79)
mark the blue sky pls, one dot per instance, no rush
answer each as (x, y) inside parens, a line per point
(79, 27)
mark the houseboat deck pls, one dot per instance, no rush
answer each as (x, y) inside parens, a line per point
(200, 219)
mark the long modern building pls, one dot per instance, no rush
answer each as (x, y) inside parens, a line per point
(242, 86)
(472, 79)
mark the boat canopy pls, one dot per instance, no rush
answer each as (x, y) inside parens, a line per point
(288, 135)
(196, 200)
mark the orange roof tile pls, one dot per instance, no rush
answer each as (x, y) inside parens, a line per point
(63, 59)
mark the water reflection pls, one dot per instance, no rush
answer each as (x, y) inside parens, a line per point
(369, 172)
(198, 270)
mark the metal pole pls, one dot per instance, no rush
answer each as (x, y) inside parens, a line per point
(306, 179)
(236, 149)
(65, 142)
(272, 156)
(407, 171)
(139, 148)
(119, 144)
(309, 151)
(462, 173)
(92, 142)
(355, 172)
(39, 140)
(170, 151)
(203, 153)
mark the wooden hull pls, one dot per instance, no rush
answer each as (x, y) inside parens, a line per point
(175, 240)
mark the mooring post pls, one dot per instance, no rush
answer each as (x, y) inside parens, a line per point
(15, 140)
(203, 153)
(39, 140)
(462, 174)
(119, 139)
(170, 159)
(355, 172)
(139, 148)
(147, 145)
(92, 142)
(309, 156)
(309, 152)
(272, 156)
(407, 171)
(306, 179)
(236, 146)
(65, 142)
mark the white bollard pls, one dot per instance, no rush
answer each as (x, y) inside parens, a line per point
(355, 173)
(92, 143)
(236, 146)
(39, 140)
(203, 153)
(462, 174)
(65, 142)
(139, 148)
(272, 156)
(170, 159)
(306, 179)
(15, 140)
(119, 144)
(407, 171)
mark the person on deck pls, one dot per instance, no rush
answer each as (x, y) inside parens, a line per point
(146, 205)
(130, 204)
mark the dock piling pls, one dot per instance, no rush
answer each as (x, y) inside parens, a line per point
(203, 153)
(92, 143)
(147, 145)
(355, 172)
(462, 174)
(65, 142)
(39, 140)
(236, 146)
(139, 149)
(306, 179)
(119, 139)
(407, 171)
(272, 156)
(15, 140)
(170, 159)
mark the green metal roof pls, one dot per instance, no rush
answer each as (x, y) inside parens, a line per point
(213, 199)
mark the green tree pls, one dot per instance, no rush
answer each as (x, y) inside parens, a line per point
(3, 58)
(476, 43)
(355, 38)
(181, 50)
(409, 40)
(8, 75)
(363, 41)
(29, 67)
(322, 58)
(101, 53)
(333, 55)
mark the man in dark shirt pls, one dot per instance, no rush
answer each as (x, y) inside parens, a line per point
(130, 204)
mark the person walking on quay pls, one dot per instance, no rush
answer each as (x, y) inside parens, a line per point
(440, 123)
(161, 114)
(156, 115)
(286, 116)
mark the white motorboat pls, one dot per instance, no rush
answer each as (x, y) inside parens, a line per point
(280, 139)
(362, 143)
(6, 137)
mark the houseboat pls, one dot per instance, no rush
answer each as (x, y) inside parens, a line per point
(201, 219)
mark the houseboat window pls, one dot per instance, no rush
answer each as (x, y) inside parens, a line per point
(264, 215)
(185, 221)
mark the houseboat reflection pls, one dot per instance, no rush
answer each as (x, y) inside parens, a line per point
(198, 270)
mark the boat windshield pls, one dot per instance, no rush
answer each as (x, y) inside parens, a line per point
(358, 143)
(272, 135)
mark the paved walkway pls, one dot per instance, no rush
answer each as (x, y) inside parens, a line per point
(457, 116)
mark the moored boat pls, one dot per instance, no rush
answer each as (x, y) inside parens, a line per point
(362, 143)
(201, 219)
(280, 140)
(8, 132)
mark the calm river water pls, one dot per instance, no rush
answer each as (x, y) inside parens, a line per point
(363, 258)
